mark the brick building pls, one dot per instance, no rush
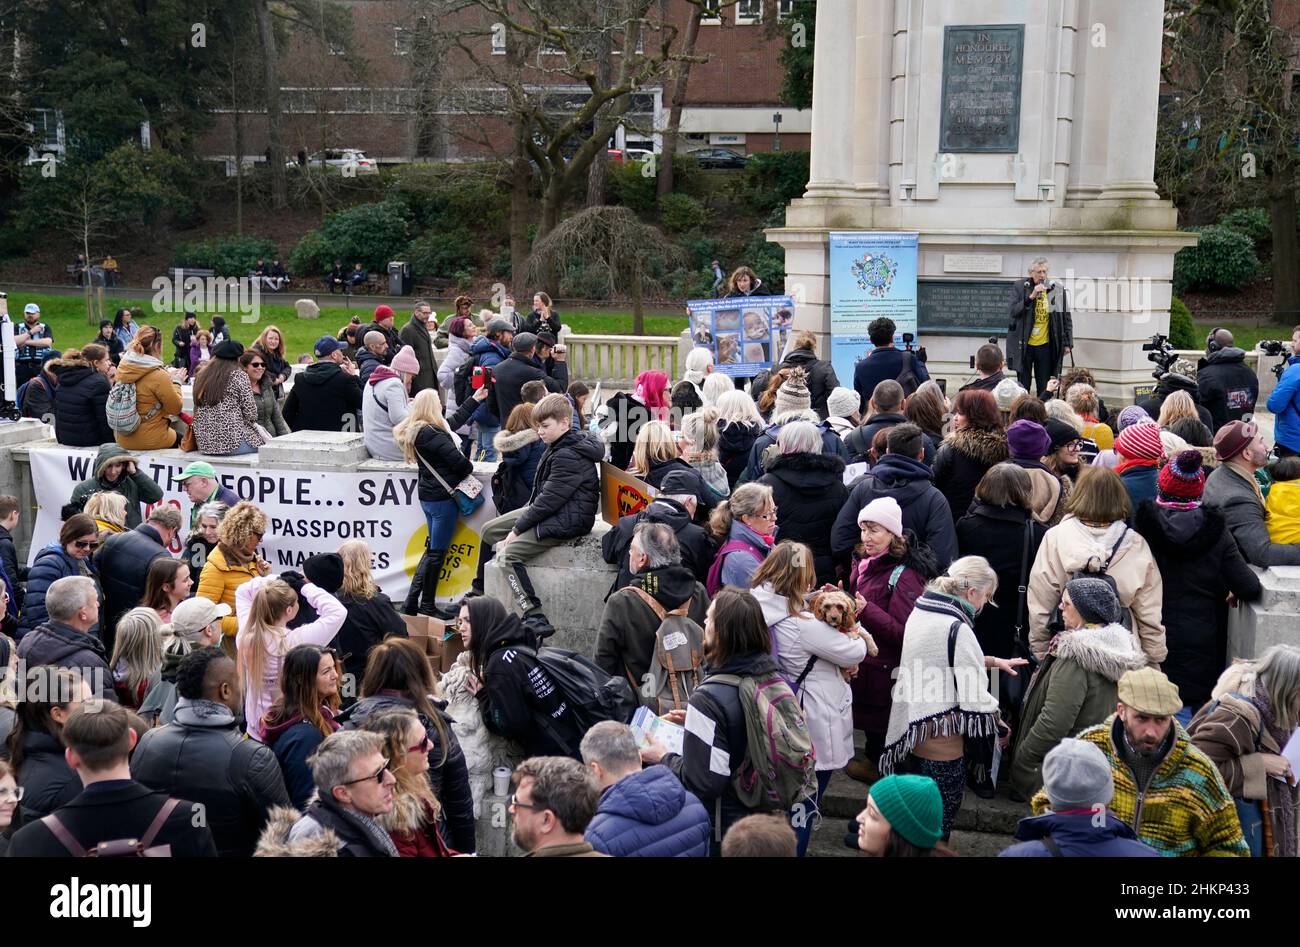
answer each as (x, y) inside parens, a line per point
(399, 97)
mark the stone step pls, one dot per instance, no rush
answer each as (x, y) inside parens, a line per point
(846, 797)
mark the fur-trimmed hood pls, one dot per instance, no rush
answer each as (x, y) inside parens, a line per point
(986, 447)
(275, 843)
(407, 815)
(1109, 650)
(506, 442)
(1236, 678)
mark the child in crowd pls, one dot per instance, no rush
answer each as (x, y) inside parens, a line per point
(1283, 504)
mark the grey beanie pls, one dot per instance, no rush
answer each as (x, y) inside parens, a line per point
(1076, 775)
(1094, 600)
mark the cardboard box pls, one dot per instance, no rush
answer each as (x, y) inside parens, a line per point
(441, 643)
(444, 651)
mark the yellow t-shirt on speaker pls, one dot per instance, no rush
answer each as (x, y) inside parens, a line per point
(1039, 334)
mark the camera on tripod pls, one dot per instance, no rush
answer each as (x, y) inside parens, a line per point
(908, 339)
(1161, 351)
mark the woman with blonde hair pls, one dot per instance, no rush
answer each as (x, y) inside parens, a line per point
(812, 656)
(412, 823)
(235, 560)
(656, 452)
(739, 425)
(745, 528)
(109, 512)
(714, 386)
(137, 656)
(157, 393)
(270, 345)
(700, 449)
(264, 607)
(1177, 406)
(426, 439)
(371, 616)
(936, 730)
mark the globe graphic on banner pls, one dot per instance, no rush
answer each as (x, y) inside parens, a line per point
(875, 273)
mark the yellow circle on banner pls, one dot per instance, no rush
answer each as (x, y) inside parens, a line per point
(460, 566)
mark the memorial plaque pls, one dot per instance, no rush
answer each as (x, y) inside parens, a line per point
(982, 66)
(962, 307)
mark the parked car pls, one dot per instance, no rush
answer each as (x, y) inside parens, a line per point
(718, 158)
(341, 158)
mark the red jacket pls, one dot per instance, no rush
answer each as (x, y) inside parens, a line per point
(417, 837)
(883, 617)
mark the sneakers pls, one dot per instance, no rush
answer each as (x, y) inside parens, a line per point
(864, 771)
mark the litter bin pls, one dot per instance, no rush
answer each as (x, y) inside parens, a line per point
(399, 278)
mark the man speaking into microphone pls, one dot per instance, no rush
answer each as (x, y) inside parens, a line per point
(1041, 332)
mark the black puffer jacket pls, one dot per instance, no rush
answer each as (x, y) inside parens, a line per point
(998, 534)
(450, 777)
(324, 398)
(369, 622)
(1200, 564)
(697, 551)
(703, 492)
(57, 645)
(821, 377)
(123, 564)
(1165, 387)
(809, 492)
(203, 757)
(629, 416)
(1228, 387)
(831, 444)
(48, 781)
(79, 417)
(437, 448)
(566, 493)
(961, 463)
(510, 376)
(734, 444)
(925, 511)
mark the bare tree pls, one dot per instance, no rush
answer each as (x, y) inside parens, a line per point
(1232, 127)
(681, 71)
(614, 240)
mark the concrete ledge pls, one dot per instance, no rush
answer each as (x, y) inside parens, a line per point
(1275, 619)
(316, 449)
(571, 580)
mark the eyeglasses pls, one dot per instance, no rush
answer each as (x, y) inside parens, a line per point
(16, 794)
(422, 747)
(516, 804)
(765, 516)
(377, 777)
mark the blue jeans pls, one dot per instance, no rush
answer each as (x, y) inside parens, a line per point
(244, 448)
(806, 813)
(1185, 716)
(441, 516)
(486, 452)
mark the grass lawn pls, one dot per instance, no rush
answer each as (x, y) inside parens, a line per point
(1245, 336)
(67, 316)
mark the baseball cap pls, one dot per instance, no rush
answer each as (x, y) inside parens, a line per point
(32, 307)
(198, 469)
(327, 345)
(194, 614)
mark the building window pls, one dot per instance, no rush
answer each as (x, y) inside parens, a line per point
(784, 9)
(712, 13)
(401, 41)
(749, 12)
(498, 39)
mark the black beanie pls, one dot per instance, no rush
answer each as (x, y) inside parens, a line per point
(324, 570)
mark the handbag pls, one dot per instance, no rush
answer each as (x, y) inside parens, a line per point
(468, 494)
(189, 443)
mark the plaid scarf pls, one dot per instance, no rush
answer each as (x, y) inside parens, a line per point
(1286, 797)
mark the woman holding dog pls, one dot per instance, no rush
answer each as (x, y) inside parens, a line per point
(886, 583)
(814, 656)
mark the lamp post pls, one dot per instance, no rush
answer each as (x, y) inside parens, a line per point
(776, 135)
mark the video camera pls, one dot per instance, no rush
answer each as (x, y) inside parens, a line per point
(1275, 348)
(908, 339)
(1161, 351)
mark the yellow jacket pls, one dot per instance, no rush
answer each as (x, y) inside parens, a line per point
(217, 583)
(1283, 506)
(154, 388)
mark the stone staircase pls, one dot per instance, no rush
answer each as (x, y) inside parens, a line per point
(984, 827)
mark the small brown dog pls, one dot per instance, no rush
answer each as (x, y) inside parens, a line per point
(838, 610)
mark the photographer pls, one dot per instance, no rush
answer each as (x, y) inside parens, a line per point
(1041, 331)
(1284, 402)
(1228, 387)
(1179, 375)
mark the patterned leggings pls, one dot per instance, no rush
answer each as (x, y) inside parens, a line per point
(951, 777)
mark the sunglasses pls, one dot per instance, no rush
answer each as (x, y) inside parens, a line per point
(422, 747)
(377, 777)
(257, 364)
(86, 544)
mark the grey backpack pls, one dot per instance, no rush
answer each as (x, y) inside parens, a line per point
(679, 652)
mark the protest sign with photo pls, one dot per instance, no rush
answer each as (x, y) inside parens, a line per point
(746, 334)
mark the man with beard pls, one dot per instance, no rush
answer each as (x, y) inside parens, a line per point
(553, 801)
(1166, 790)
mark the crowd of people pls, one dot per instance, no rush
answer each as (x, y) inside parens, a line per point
(1017, 585)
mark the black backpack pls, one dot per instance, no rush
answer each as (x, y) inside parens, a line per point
(592, 694)
(462, 379)
(907, 377)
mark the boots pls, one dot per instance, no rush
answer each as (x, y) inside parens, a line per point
(864, 771)
(429, 588)
(412, 604)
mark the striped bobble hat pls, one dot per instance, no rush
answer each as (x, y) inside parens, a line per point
(1140, 441)
(1182, 480)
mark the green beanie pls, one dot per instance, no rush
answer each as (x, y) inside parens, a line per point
(913, 807)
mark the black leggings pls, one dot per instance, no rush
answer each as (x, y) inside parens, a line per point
(1037, 359)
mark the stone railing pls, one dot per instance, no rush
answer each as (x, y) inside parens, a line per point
(616, 360)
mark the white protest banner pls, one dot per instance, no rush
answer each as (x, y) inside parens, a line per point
(311, 511)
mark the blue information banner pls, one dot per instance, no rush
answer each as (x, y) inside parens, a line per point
(746, 334)
(873, 274)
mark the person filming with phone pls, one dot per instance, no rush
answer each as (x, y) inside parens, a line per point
(1041, 331)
